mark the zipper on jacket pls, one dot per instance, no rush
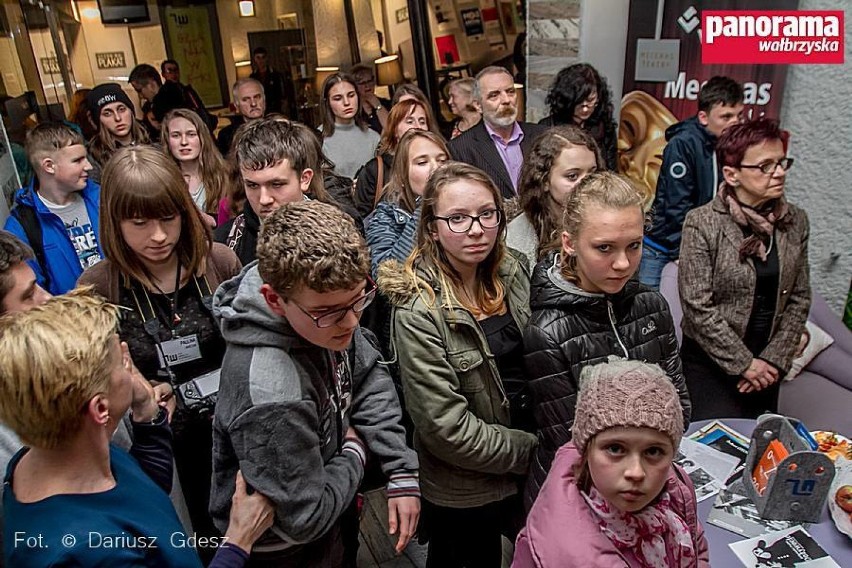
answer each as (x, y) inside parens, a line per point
(715, 175)
(611, 314)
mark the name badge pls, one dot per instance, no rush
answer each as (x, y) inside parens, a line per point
(179, 350)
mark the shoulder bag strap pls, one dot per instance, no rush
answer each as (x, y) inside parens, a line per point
(380, 179)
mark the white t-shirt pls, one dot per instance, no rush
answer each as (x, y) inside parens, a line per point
(78, 225)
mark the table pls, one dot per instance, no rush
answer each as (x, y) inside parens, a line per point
(838, 545)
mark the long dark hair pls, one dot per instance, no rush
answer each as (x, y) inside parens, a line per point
(328, 115)
(573, 85)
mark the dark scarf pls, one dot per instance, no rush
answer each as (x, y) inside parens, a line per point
(760, 222)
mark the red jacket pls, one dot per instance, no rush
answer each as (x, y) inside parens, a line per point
(561, 531)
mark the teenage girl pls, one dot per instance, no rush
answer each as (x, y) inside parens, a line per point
(404, 116)
(187, 139)
(460, 305)
(348, 140)
(585, 307)
(162, 267)
(559, 159)
(613, 496)
(112, 114)
(391, 228)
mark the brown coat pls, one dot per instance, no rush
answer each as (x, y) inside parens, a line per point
(717, 290)
(222, 264)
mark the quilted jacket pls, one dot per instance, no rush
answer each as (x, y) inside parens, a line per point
(569, 329)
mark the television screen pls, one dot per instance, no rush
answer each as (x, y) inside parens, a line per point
(123, 11)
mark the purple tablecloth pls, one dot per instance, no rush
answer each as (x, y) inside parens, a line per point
(825, 533)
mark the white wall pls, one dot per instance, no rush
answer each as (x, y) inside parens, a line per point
(817, 109)
(603, 41)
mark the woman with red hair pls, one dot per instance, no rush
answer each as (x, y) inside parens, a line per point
(743, 279)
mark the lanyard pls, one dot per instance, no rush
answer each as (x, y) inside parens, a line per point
(151, 323)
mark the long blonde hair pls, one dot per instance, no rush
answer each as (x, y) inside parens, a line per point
(490, 293)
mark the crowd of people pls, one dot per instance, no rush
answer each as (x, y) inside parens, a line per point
(230, 336)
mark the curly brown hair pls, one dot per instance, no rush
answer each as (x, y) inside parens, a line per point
(313, 245)
(534, 183)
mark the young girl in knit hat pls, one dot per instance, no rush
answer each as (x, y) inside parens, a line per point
(613, 497)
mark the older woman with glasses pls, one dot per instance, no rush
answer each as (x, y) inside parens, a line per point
(743, 279)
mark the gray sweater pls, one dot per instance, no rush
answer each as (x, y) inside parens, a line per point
(350, 148)
(276, 422)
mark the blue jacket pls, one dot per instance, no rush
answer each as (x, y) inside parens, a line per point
(391, 232)
(63, 264)
(689, 177)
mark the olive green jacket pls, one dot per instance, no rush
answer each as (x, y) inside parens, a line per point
(469, 455)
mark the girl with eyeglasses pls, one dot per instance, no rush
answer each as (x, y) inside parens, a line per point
(586, 307)
(162, 268)
(743, 278)
(581, 96)
(460, 303)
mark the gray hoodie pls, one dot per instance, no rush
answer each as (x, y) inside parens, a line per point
(277, 422)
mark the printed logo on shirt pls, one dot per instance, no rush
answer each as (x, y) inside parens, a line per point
(85, 243)
(651, 327)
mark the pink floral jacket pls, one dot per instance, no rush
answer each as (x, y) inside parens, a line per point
(562, 533)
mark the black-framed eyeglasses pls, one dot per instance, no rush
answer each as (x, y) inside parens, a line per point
(769, 167)
(462, 223)
(333, 317)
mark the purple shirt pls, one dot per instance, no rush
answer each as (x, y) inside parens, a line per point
(510, 152)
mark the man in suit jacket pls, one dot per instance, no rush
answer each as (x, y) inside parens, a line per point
(499, 144)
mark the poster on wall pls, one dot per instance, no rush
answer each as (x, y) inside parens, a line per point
(649, 108)
(472, 19)
(191, 44)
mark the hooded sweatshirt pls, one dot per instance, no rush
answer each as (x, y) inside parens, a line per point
(277, 420)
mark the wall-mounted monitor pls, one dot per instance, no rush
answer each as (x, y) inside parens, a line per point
(123, 11)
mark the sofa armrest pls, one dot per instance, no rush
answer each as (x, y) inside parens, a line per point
(834, 364)
(822, 315)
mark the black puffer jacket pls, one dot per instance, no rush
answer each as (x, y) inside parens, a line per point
(571, 328)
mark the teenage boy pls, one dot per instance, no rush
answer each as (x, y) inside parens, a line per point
(57, 214)
(306, 400)
(65, 398)
(274, 158)
(690, 174)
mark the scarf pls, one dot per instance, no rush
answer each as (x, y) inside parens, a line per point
(656, 536)
(761, 222)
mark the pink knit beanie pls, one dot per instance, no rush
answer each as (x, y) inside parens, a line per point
(626, 393)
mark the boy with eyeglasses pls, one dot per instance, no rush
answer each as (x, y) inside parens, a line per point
(305, 400)
(690, 174)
